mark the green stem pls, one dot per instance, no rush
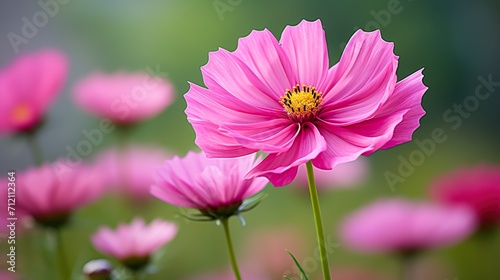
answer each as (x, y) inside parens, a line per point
(61, 255)
(35, 150)
(407, 266)
(234, 264)
(318, 222)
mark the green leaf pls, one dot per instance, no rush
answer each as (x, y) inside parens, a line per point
(250, 203)
(303, 275)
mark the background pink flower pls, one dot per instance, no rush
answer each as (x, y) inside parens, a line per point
(123, 97)
(397, 226)
(51, 192)
(477, 187)
(134, 240)
(344, 175)
(282, 98)
(206, 184)
(28, 85)
(131, 170)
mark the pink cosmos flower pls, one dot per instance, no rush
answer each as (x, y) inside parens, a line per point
(344, 175)
(134, 243)
(399, 226)
(214, 186)
(28, 86)
(130, 171)
(281, 98)
(123, 97)
(477, 187)
(51, 192)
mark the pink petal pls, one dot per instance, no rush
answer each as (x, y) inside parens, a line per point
(306, 147)
(205, 110)
(347, 144)
(226, 73)
(378, 130)
(362, 80)
(262, 53)
(272, 136)
(305, 46)
(407, 95)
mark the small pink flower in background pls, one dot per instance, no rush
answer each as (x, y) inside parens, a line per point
(477, 187)
(28, 86)
(396, 225)
(214, 186)
(133, 244)
(266, 251)
(344, 175)
(130, 170)
(282, 98)
(51, 192)
(123, 97)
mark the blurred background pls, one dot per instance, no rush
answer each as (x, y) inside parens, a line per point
(457, 42)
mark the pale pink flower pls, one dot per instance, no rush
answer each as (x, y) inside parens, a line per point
(282, 99)
(123, 97)
(399, 226)
(51, 192)
(477, 187)
(344, 175)
(130, 170)
(134, 243)
(28, 86)
(215, 186)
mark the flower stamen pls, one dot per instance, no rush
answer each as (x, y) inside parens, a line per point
(302, 102)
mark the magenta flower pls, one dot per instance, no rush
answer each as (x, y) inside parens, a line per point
(344, 175)
(403, 226)
(216, 187)
(281, 98)
(51, 192)
(123, 97)
(133, 244)
(28, 86)
(130, 171)
(477, 187)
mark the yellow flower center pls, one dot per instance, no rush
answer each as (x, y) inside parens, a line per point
(302, 101)
(21, 113)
